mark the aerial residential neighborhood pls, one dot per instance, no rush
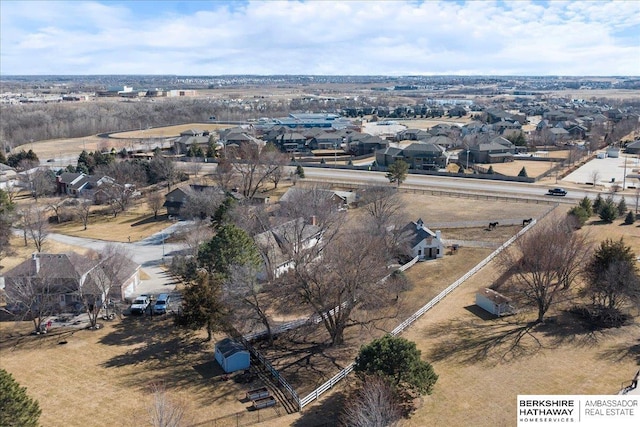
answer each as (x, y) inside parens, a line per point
(323, 235)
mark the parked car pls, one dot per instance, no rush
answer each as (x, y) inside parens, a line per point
(557, 192)
(161, 304)
(140, 304)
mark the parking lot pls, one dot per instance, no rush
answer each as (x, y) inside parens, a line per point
(609, 171)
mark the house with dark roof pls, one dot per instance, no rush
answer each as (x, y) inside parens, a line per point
(419, 155)
(327, 141)
(633, 148)
(195, 138)
(498, 150)
(65, 274)
(424, 243)
(362, 144)
(79, 184)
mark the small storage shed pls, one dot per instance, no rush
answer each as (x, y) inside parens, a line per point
(232, 356)
(494, 302)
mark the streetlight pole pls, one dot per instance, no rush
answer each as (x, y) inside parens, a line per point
(624, 176)
(163, 246)
(335, 154)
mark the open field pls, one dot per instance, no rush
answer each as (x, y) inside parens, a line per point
(534, 168)
(168, 131)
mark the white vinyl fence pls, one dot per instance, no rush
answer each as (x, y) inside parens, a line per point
(404, 325)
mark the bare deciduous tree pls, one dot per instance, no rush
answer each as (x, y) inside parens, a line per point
(224, 174)
(544, 261)
(163, 411)
(35, 297)
(374, 405)
(82, 210)
(201, 203)
(337, 277)
(36, 225)
(252, 163)
(155, 201)
(243, 295)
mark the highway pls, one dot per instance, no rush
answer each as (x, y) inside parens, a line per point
(447, 184)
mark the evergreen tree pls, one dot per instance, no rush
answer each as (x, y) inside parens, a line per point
(580, 214)
(523, 172)
(398, 360)
(16, 407)
(398, 172)
(230, 246)
(202, 305)
(300, 171)
(622, 207)
(597, 204)
(630, 218)
(323, 161)
(490, 171)
(586, 204)
(608, 211)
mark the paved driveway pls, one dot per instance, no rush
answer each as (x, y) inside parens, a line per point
(150, 253)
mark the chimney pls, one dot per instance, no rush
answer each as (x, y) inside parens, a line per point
(314, 220)
(438, 235)
(36, 262)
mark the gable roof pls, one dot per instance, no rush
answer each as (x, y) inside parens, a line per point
(277, 242)
(417, 232)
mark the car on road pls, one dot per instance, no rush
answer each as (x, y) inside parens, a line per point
(557, 192)
(140, 304)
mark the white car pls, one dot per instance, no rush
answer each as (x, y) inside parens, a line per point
(140, 304)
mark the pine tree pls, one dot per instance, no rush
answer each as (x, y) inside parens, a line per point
(630, 218)
(586, 204)
(597, 203)
(16, 407)
(523, 172)
(490, 171)
(300, 171)
(622, 207)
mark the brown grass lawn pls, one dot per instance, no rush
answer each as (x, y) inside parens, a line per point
(137, 223)
(534, 168)
(103, 377)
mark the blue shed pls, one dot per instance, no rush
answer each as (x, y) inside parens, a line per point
(232, 355)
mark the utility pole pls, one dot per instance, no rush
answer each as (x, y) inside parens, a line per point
(624, 176)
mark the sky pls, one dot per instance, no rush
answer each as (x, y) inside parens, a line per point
(320, 37)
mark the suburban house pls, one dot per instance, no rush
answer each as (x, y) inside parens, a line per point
(498, 150)
(419, 155)
(361, 144)
(80, 184)
(232, 356)
(412, 135)
(278, 244)
(424, 243)
(195, 138)
(67, 273)
(291, 141)
(327, 141)
(176, 198)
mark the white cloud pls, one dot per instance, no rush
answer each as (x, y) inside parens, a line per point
(322, 37)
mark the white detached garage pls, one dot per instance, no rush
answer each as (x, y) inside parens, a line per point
(494, 302)
(232, 355)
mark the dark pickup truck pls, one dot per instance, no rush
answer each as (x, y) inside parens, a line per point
(557, 192)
